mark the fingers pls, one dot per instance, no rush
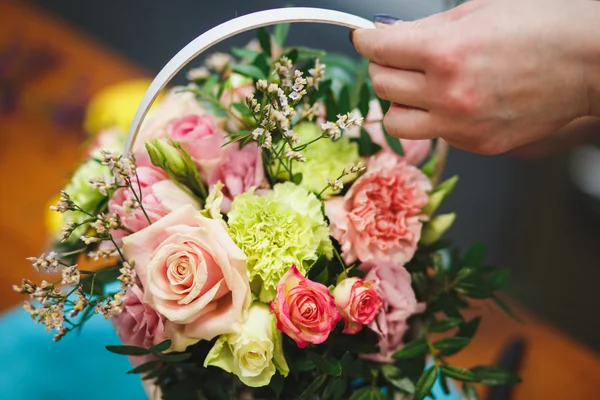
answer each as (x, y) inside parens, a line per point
(399, 46)
(399, 86)
(409, 123)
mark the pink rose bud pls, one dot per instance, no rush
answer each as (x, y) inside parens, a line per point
(358, 302)
(305, 309)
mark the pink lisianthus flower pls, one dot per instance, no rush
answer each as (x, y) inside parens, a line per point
(138, 324)
(159, 197)
(193, 274)
(305, 309)
(415, 151)
(380, 217)
(399, 303)
(238, 170)
(358, 302)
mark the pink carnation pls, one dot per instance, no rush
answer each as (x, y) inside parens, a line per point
(159, 196)
(238, 170)
(305, 309)
(138, 324)
(380, 216)
(399, 303)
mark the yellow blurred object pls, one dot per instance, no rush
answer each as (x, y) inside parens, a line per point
(53, 219)
(115, 106)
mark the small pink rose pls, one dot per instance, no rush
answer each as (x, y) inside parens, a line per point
(138, 324)
(239, 170)
(399, 303)
(380, 217)
(358, 302)
(305, 309)
(159, 197)
(192, 272)
(198, 135)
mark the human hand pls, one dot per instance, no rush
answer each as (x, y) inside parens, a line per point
(490, 75)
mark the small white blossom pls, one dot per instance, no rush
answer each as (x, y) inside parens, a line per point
(46, 263)
(268, 143)
(273, 88)
(262, 85)
(198, 74)
(335, 184)
(257, 133)
(359, 167)
(70, 275)
(89, 239)
(293, 155)
(218, 61)
(295, 96)
(332, 130)
(64, 204)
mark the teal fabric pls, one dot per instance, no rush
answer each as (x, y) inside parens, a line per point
(33, 367)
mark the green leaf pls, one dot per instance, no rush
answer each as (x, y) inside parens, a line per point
(468, 329)
(335, 389)
(210, 83)
(498, 279)
(154, 374)
(297, 178)
(364, 99)
(411, 349)
(242, 109)
(504, 307)
(464, 273)
(344, 101)
(276, 384)
(175, 357)
(245, 54)
(305, 53)
(262, 63)
(264, 38)
(314, 386)
(429, 167)
(459, 373)
(425, 383)
(444, 325)
(149, 366)
(331, 106)
(475, 255)
(393, 142)
(394, 376)
(304, 364)
(333, 367)
(385, 105)
(451, 345)
(162, 346)
(128, 350)
(366, 146)
(281, 32)
(250, 71)
(469, 392)
(495, 376)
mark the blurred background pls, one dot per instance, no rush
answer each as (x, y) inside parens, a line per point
(539, 216)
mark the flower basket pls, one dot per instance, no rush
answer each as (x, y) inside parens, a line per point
(268, 237)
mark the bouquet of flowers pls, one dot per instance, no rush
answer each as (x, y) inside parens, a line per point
(266, 238)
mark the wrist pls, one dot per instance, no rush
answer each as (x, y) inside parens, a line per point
(590, 51)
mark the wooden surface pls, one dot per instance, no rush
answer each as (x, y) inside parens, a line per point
(36, 152)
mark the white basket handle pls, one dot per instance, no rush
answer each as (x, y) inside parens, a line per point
(227, 30)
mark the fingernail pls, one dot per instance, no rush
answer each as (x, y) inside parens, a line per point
(350, 34)
(385, 19)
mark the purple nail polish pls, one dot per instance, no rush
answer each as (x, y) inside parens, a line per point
(385, 19)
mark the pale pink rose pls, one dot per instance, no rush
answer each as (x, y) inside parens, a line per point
(305, 309)
(175, 105)
(358, 302)
(399, 303)
(199, 136)
(239, 170)
(138, 324)
(159, 197)
(192, 272)
(380, 216)
(415, 151)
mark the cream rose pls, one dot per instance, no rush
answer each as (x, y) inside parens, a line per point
(192, 273)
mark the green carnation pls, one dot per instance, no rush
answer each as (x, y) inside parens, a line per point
(278, 230)
(84, 194)
(325, 158)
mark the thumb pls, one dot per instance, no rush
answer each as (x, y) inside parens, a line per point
(385, 20)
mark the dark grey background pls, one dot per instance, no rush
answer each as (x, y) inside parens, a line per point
(526, 211)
